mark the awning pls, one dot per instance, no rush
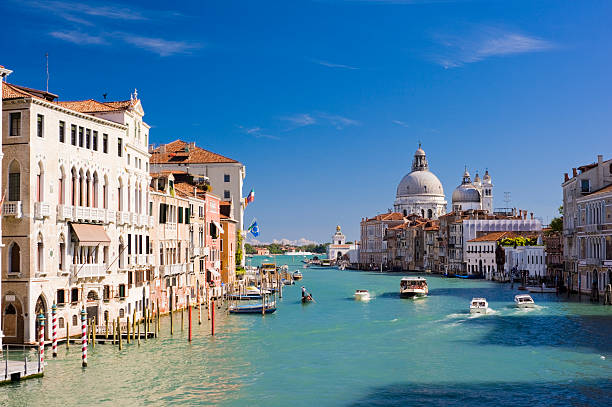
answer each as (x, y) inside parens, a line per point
(214, 272)
(90, 235)
(218, 225)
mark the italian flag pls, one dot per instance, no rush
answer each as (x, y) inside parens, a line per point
(250, 197)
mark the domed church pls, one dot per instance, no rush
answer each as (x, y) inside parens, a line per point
(420, 192)
(476, 195)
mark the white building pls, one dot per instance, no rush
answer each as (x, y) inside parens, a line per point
(339, 247)
(75, 219)
(526, 258)
(3, 74)
(420, 192)
(477, 195)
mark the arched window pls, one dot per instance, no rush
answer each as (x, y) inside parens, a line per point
(120, 196)
(105, 193)
(422, 213)
(40, 186)
(73, 187)
(40, 253)
(405, 212)
(14, 258)
(82, 189)
(429, 213)
(95, 190)
(88, 182)
(62, 253)
(61, 184)
(14, 182)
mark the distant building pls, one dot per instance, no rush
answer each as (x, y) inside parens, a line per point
(3, 74)
(373, 252)
(553, 246)
(420, 192)
(228, 245)
(587, 215)
(262, 251)
(477, 195)
(339, 248)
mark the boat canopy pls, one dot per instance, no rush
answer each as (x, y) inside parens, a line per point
(414, 279)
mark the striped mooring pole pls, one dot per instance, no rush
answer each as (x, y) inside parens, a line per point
(84, 337)
(54, 329)
(41, 341)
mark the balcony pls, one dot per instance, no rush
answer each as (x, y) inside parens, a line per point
(217, 264)
(109, 216)
(172, 269)
(41, 210)
(123, 218)
(170, 227)
(64, 212)
(85, 213)
(12, 208)
(151, 221)
(80, 271)
(195, 252)
(143, 220)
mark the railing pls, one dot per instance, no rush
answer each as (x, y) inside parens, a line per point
(123, 218)
(88, 214)
(93, 270)
(170, 227)
(41, 210)
(110, 216)
(64, 212)
(205, 251)
(151, 221)
(143, 220)
(12, 208)
(172, 269)
(195, 251)
(217, 264)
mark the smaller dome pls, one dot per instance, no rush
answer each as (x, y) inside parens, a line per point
(419, 151)
(466, 193)
(477, 178)
(487, 177)
(338, 228)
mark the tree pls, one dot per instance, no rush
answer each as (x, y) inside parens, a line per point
(249, 249)
(556, 224)
(239, 247)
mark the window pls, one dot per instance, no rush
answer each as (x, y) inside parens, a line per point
(226, 178)
(75, 320)
(15, 124)
(95, 140)
(62, 251)
(121, 292)
(73, 132)
(180, 214)
(14, 186)
(105, 143)
(120, 147)
(62, 132)
(585, 185)
(187, 216)
(74, 295)
(226, 194)
(40, 125)
(81, 136)
(61, 297)
(106, 293)
(88, 138)
(14, 258)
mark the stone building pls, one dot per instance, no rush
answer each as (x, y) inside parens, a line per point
(75, 217)
(553, 244)
(228, 244)
(373, 252)
(585, 180)
(420, 192)
(3, 74)
(477, 195)
(338, 247)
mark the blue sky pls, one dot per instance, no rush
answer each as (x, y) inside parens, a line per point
(325, 101)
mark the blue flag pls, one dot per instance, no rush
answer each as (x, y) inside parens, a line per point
(254, 229)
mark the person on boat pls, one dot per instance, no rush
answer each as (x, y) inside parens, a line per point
(305, 295)
(303, 291)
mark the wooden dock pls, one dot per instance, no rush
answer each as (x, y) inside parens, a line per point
(15, 370)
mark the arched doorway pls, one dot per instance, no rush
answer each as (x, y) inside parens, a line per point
(41, 308)
(12, 320)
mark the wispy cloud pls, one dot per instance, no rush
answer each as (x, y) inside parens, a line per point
(77, 37)
(486, 42)
(257, 133)
(70, 10)
(300, 120)
(160, 46)
(334, 65)
(400, 123)
(339, 122)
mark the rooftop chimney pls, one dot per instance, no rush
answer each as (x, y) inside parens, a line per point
(566, 177)
(599, 158)
(531, 215)
(191, 145)
(574, 172)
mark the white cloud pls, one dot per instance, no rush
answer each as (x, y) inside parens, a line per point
(160, 46)
(486, 42)
(300, 120)
(334, 65)
(77, 37)
(338, 121)
(257, 133)
(400, 123)
(76, 11)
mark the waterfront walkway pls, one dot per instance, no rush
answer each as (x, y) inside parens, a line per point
(15, 370)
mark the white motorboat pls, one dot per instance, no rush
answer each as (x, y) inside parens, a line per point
(542, 289)
(413, 287)
(297, 275)
(524, 301)
(479, 306)
(362, 295)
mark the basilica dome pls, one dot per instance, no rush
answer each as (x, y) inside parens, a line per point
(420, 183)
(466, 193)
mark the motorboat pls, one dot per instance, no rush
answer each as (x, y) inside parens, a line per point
(413, 287)
(542, 289)
(524, 301)
(250, 293)
(297, 275)
(253, 308)
(479, 306)
(362, 295)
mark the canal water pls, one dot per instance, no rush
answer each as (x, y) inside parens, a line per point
(339, 352)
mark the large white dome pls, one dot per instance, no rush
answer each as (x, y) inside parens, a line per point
(420, 183)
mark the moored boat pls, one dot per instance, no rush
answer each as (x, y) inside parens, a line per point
(524, 301)
(252, 308)
(413, 287)
(362, 295)
(542, 289)
(479, 306)
(297, 275)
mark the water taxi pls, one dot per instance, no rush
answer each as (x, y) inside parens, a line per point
(542, 289)
(297, 275)
(413, 287)
(253, 308)
(362, 295)
(479, 306)
(524, 301)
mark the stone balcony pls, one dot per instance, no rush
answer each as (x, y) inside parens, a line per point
(12, 208)
(172, 269)
(84, 214)
(80, 271)
(123, 217)
(41, 210)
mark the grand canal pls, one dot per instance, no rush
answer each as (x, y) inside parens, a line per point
(338, 352)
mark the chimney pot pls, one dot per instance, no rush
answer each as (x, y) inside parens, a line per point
(566, 177)
(531, 215)
(574, 172)
(599, 158)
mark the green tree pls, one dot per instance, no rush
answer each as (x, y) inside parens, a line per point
(249, 249)
(556, 224)
(239, 253)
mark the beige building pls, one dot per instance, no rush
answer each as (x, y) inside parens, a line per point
(3, 74)
(373, 253)
(75, 221)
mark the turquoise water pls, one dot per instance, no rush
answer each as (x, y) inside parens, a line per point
(339, 352)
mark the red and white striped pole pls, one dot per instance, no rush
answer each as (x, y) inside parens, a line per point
(54, 329)
(84, 337)
(41, 341)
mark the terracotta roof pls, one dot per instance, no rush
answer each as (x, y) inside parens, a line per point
(175, 153)
(387, 216)
(187, 190)
(601, 191)
(93, 106)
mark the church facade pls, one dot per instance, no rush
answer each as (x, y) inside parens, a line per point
(477, 195)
